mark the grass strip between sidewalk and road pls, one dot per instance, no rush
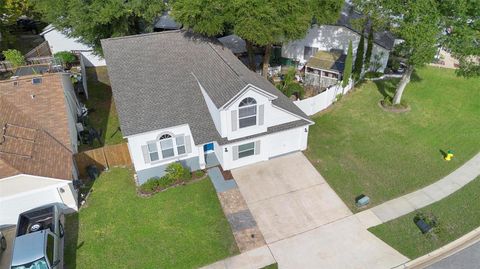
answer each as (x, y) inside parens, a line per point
(456, 214)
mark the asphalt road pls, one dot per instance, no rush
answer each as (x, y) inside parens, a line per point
(468, 258)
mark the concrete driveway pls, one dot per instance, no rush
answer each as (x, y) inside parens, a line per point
(287, 196)
(304, 222)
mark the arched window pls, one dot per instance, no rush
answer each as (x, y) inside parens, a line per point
(166, 144)
(247, 112)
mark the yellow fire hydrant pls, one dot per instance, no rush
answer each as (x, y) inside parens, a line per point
(449, 155)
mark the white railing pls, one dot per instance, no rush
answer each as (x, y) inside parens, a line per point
(317, 103)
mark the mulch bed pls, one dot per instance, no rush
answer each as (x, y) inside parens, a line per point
(227, 174)
(177, 183)
(393, 109)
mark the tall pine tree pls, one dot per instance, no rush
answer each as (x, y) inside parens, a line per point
(347, 71)
(368, 54)
(357, 70)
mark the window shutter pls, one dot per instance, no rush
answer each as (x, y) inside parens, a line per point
(235, 152)
(188, 144)
(234, 120)
(146, 155)
(257, 147)
(261, 112)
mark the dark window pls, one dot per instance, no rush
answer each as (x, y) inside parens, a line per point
(180, 140)
(246, 150)
(166, 144)
(153, 151)
(247, 113)
(36, 80)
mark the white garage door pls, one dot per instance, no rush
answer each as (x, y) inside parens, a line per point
(23, 192)
(10, 208)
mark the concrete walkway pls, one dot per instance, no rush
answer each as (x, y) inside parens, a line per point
(418, 199)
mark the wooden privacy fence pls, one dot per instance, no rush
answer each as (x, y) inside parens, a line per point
(103, 158)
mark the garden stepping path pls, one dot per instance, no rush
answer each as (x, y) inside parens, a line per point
(244, 227)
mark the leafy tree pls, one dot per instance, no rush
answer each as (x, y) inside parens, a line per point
(347, 71)
(15, 57)
(463, 36)
(422, 24)
(93, 20)
(10, 12)
(357, 69)
(66, 57)
(289, 86)
(368, 54)
(260, 22)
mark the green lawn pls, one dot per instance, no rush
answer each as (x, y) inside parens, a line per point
(360, 149)
(457, 215)
(105, 116)
(183, 227)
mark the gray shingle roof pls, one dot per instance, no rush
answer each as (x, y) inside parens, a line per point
(154, 81)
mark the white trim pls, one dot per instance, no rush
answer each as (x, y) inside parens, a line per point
(293, 114)
(39, 177)
(243, 91)
(162, 131)
(34, 190)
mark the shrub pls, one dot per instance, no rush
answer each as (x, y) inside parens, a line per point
(199, 173)
(150, 186)
(175, 170)
(15, 57)
(187, 175)
(372, 74)
(66, 57)
(338, 97)
(289, 86)
(166, 181)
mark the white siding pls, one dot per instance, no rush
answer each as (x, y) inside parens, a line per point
(135, 143)
(72, 110)
(214, 112)
(242, 132)
(327, 37)
(60, 42)
(24, 192)
(270, 146)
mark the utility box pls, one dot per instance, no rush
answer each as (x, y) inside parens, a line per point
(362, 200)
(423, 226)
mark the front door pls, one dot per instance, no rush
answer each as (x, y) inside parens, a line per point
(208, 148)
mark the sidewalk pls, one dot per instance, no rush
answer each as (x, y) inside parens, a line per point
(256, 258)
(413, 201)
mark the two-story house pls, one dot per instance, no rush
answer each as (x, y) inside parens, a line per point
(182, 97)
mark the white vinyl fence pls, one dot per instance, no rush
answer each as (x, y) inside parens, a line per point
(323, 100)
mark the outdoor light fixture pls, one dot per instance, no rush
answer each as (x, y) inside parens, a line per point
(306, 131)
(226, 149)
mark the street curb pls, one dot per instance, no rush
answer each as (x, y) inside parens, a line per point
(443, 252)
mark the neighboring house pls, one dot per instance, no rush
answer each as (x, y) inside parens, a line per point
(181, 97)
(325, 69)
(49, 99)
(336, 37)
(59, 41)
(35, 167)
